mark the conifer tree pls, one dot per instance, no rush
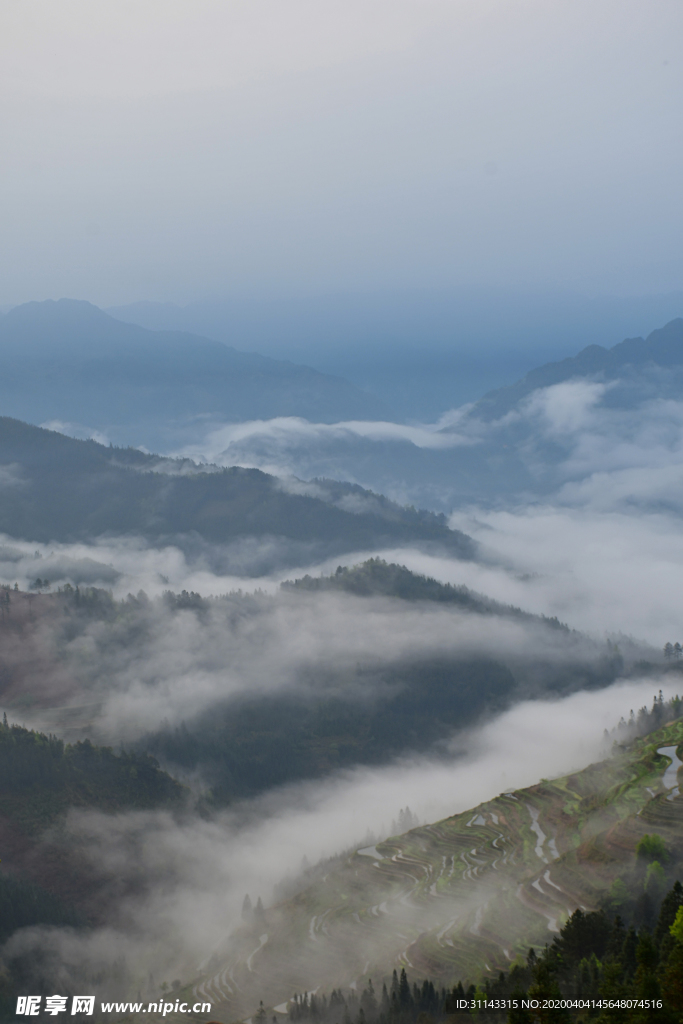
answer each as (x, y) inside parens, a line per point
(368, 1001)
(384, 1004)
(404, 997)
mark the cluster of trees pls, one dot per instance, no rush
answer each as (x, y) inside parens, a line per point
(674, 651)
(40, 776)
(185, 599)
(94, 600)
(39, 584)
(595, 956)
(375, 577)
(253, 914)
(648, 720)
(398, 1002)
(23, 904)
(405, 821)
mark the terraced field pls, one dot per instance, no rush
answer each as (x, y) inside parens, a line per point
(464, 896)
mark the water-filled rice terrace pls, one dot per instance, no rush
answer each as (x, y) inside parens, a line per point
(465, 896)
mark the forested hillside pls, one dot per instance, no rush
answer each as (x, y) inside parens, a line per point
(41, 776)
(60, 489)
(375, 577)
(46, 876)
(597, 960)
(250, 745)
(270, 715)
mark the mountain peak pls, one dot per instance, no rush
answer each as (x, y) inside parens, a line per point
(70, 361)
(56, 310)
(663, 347)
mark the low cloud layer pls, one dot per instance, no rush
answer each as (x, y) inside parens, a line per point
(190, 876)
(286, 432)
(129, 564)
(603, 572)
(615, 445)
(137, 669)
(591, 553)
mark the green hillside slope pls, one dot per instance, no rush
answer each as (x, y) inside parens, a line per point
(466, 897)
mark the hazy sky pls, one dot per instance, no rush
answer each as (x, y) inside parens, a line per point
(176, 150)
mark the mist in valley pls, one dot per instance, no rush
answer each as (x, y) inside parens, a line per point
(179, 881)
(170, 655)
(341, 426)
(175, 881)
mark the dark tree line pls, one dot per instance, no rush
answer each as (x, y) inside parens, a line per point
(398, 1002)
(375, 577)
(23, 904)
(595, 956)
(646, 720)
(40, 776)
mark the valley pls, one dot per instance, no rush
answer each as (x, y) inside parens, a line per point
(284, 698)
(341, 492)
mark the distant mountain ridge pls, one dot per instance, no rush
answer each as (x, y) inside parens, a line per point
(179, 390)
(663, 347)
(421, 350)
(70, 361)
(517, 442)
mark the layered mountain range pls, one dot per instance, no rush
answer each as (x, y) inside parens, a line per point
(69, 361)
(252, 699)
(635, 360)
(599, 412)
(57, 488)
(70, 366)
